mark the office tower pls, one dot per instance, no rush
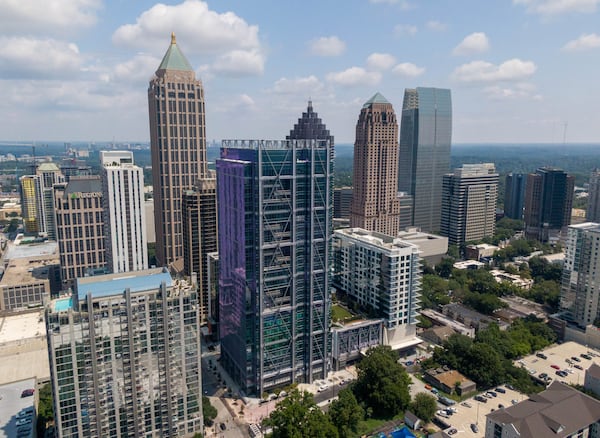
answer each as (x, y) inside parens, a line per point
(424, 158)
(199, 210)
(125, 357)
(580, 289)
(80, 227)
(469, 203)
(31, 203)
(548, 202)
(406, 207)
(178, 146)
(275, 202)
(123, 197)
(375, 205)
(593, 209)
(74, 167)
(514, 195)
(342, 201)
(37, 199)
(382, 274)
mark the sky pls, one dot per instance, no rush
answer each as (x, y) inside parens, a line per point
(520, 71)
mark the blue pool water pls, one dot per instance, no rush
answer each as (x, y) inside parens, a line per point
(63, 304)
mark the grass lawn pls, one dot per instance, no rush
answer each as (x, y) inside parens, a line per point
(367, 426)
(338, 313)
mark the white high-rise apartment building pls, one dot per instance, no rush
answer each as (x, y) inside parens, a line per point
(580, 293)
(383, 274)
(123, 187)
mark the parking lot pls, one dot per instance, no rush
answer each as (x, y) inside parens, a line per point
(556, 360)
(474, 412)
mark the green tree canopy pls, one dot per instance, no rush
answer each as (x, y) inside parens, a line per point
(208, 411)
(297, 416)
(382, 383)
(424, 406)
(345, 413)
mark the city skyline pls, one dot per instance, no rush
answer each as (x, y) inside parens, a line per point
(522, 65)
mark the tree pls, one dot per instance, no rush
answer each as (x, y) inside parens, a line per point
(208, 411)
(45, 408)
(345, 413)
(297, 416)
(424, 406)
(445, 267)
(382, 383)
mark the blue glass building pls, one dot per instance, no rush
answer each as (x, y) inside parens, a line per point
(424, 157)
(275, 228)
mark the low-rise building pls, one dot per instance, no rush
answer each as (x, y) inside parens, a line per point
(440, 318)
(468, 264)
(349, 340)
(559, 411)
(432, 248)
(483, 250)
(515, 280)
(449, 381)
(437, 335)
(592, 379)
(470, 317)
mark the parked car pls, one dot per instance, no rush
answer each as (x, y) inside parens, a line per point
(543, 376)
(501, 390)
(27, 393)
(492, 393)
(586, 356)
(579, 367)
(474, 428)
(556, 367)
(466, 404)
(576, 359)
(480, 398)
(542, 356)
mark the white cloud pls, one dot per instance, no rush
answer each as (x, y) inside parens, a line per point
(137, 69)
(482, 71)
(239, 63)
(31, 58)
(354, 76)
(523, 90)
(557, 7)
(405, 29)
(305, 85)
(408, 69)
(436, 26)
(584, 42)
(50, 17)
(198, 29)
(380, 61)
(476, 42)
(327, 46)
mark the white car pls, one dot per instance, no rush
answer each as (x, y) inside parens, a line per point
(324, 387)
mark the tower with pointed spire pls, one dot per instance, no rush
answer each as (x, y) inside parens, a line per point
(178, 146)
(375, 203)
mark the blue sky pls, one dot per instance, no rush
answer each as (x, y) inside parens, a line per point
(520, 70)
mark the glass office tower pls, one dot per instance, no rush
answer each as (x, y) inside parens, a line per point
(275, 227)
(424, 158)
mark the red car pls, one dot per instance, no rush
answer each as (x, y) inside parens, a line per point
(556, 367)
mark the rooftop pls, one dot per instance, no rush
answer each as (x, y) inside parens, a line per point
(113, 284)
(28, 251)
(174, 59)
(377, 98)
(11, 403)
(378, 239)
(558, 411)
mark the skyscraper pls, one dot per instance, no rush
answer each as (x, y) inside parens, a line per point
(548, 202)
(199, 209)
(178, 146)
(80, 227)
(31, 203)
(424, 158)
(469, 203)
(275, 203)
(123, 197)
(514, 195)
(125, 357)
(580, 292)
(593, 209)
(375, 204)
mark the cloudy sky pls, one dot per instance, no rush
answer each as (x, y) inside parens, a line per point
(519, 70)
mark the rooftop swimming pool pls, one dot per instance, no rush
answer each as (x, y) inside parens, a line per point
(63, 304)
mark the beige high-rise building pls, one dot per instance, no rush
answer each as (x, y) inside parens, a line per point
(375, 204)
(178, 146)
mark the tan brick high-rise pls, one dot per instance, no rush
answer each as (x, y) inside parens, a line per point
(178, 145)
(375, 204)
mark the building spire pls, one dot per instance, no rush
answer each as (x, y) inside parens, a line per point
(173, 39)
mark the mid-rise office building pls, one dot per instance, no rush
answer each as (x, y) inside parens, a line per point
(80, 227)
(275, 202)
(580, 293)
(424, 158)
(199, 209)
(593, 209)
(514, 195)
(548, 203)
(123, 197)
(125, 357)
(382, 274)
(178, 146)
(469, 203)
(342, 201)
(37, 199)
(375, 204)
